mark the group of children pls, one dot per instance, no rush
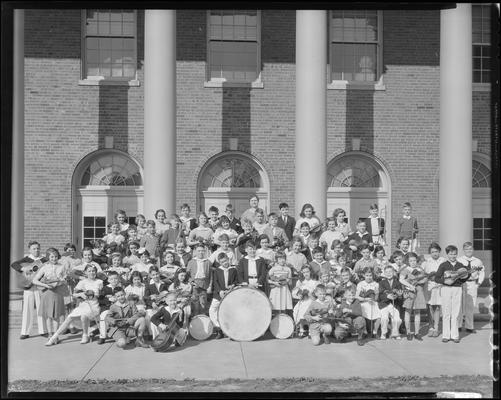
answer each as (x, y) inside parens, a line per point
(143, 279)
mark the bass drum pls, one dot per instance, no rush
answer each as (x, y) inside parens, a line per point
(282, 326)
(201, 327)
(244, 314)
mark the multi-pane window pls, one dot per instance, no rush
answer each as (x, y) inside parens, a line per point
(482, 228)
(481, 175)
(233, 45)
(355, 45)
(481, 39)
(93, 228)
(110, 44)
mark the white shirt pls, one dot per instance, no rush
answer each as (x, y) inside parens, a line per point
(329, 237)
(374, 226)
(475, 262)
(229, 253)
(252, 266)
(200, 269)
(226, 275)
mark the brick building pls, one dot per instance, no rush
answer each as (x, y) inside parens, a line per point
(240, 90)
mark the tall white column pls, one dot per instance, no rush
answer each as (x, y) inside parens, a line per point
(17, 194)
(159, 111)
(455, 188)
(311, 109)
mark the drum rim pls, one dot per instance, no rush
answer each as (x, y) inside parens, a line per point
(281, 316)
(262, 294)
(201, 316)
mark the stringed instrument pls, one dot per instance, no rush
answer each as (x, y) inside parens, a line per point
(450, 277)
(326, 316)
(279, 277)
(165, 338)
(28, 272)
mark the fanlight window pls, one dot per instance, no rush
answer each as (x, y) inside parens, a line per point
(112, 170)
(481, 175)
(353, 172)
(232, 172)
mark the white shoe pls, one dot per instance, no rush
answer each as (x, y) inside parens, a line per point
(85, 340)
(50, 343)
(382, 337)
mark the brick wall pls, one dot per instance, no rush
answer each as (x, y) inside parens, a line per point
(400, 125)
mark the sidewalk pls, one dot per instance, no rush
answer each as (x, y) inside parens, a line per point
(265, 358)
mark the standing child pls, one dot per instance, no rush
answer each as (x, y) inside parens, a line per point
(412, 278)
(279, 279)
(342, 226)
(27, 268)
(132, 235)
(318, 265)
(260, 223)
(264, 250)
(249, 234)
(379, 255)
(365, 262)
(368, 293)
(202, 233)
(225, 278)
(169, 237)
(286, 222)
(114, 236)
(235, 223)
(199, 272)
(470, 287)
(51, 277)
(303, 292)
(188, 223)
(253, 270)
(277, 236)
(154, 292)
(328, 237)
(451, 293)
(161, 224)
(182, 256)
(408, 226)
(106, 299)
(316, 315)
(121, 219)
(224, 242)
(213, 218)
(151, 240)
(295, 258)
(432, 288)
(375, 225)
(141, 225)
(133, 256)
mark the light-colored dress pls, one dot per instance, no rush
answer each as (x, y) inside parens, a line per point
(88, 308)
(432, 288)
(370, 309)
(296, 260)
(417, 301)
(280, 296)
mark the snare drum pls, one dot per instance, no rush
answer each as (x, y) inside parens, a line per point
(282, 326)
(244, 314)
(201, 327)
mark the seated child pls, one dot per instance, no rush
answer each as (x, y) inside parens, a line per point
(316, 315)
(126, 321)
(168, 270)
(143, 267)
(106, 299)
(121, 270)
(136, 287)
(132, 255)
(390, 296)
(318, 265)
(350, 319)
(168, 315)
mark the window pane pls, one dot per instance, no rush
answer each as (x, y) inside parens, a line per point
(100, 221)
(487, 233)
(116, 16)
(129, 70)
(488, 245)
(92, 57)
(100, 232)
(477, 245)
(477, 234)
(128, 28)
(116, 70)
(128, 16)
(88, 221)
(91, 28)
(115, 28)
(103, 28)
(477, 222)
(487, 222)
(88, 232)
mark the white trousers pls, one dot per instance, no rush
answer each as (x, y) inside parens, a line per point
(151, 326)
(451, 307)
(387, 313)
(31, 303)
(214, 307)
(469, 300)
(102, 324)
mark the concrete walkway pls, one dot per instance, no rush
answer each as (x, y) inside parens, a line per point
(265, 358)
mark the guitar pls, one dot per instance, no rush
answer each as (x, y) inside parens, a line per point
(450, 277)
(326, 316)
(172, 332)
(28, 272)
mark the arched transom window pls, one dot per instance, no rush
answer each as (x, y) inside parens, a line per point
(232, 172)
(481, 175)
(112, 170)
(353, 172)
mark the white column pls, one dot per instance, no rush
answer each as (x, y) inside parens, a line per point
(159, 111)
(311, 109)
(17, 194)
(455, 189)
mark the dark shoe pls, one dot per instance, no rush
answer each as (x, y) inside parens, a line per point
(219, 335)
(417, 336)
(22, 337)
(140, 343)
(45, 335)
(445, 340)
(456, 340)
(409, 336)
(460, 329)
(360, 341)
(471, 331)
(101, 341)
(326, 339)
(73, 330)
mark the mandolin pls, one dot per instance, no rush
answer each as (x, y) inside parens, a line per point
(450, 277)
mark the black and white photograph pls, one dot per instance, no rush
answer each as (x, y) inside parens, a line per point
(209, 198)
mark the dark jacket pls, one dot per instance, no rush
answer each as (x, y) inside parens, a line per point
(218, 280)
(261, 269)
(287, 227)
(152, 289)
(358, 240)
(385, 289)
(380, 224)
(447, 266)
(236, 225)
(162, 316)
(104, 302)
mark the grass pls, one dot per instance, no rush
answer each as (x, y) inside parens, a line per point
(461, 383)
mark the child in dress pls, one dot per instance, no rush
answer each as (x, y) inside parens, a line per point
(318, 265)
(316, 314)
(224, 229)
(51, 278)
(133, 256)
(432, 288)
(413, 295)
(470, 287)
(342, 227)
(279, 279)
(379, 256)
(161, 224)
(117, 266)
(183, 289)
(303, 294)
(137, 287)
(151, 240)
(328, 237)
(114, 236)
(408, 227)
(368, 293)
(264, 250)
(295, 258)
(202, 233)
(141, 225)
(307, 215)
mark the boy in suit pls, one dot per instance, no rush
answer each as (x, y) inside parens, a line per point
(224, 278)
(252, 271)
(375, 225)
(286, 222)
(199, 271)
(387, 300)
(165, 315)
(235, 223)
(106, 299)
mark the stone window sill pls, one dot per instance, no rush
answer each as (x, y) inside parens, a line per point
(222, 83)
(107, 82)
(346, 85)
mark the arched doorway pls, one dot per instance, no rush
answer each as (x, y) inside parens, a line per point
(355, 180)
(103, 182)
(231, 178)
(482, 211)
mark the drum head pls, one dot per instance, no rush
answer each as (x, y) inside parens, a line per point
(244, 314)
(282, 326)
(201, 327)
